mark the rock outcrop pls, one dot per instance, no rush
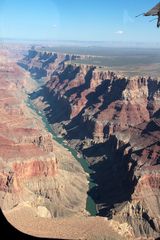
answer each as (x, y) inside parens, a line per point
(114, 122)
(35, 170)
(42, 64)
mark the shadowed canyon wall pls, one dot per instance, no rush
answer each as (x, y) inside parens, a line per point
(115, 123)
(36, 171)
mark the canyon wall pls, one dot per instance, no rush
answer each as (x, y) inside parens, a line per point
(114, 121)
(36, 171)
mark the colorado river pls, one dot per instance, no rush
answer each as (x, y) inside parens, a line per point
(90, 204)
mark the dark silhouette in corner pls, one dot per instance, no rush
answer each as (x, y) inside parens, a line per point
(10, 232)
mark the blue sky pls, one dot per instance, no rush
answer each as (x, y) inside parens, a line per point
(83, 20)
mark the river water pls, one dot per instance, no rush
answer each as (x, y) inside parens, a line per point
(90, 204)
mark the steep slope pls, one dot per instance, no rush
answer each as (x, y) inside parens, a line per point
(114, 122)
(35, 170)
(41, 64)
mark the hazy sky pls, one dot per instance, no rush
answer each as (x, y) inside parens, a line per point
(96, 20)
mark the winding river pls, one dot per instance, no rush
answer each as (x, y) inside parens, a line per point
(90, 204)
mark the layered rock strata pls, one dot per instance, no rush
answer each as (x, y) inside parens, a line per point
(114, 122)
(35, 170)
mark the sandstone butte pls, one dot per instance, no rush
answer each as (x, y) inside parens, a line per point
(111, 119)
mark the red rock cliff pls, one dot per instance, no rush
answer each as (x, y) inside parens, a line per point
(34, 168)
(114, 122)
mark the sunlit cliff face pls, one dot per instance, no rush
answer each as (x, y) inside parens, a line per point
(114, 121)
(32, 164)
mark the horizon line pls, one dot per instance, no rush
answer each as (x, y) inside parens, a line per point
(110, 42)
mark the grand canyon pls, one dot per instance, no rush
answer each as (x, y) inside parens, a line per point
(80, 120)
(80, 147)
